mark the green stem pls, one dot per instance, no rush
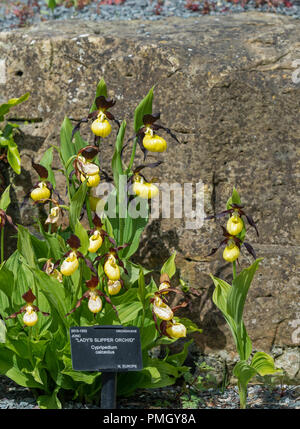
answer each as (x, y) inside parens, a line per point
(243, 396)
(78, 286)
(2, 244)
(88, 210)
(50, 224)
(132, 155)
(234, 269)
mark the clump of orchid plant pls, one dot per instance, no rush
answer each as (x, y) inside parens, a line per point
(30, 310)
(86, 257)
(230, 298)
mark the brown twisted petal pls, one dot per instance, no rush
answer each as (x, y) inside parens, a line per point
(102, 103)
(28, 296)
(74, 242)
(150, 119)
(93, 282)
(89, 152)
(41, 170)
(164, 278)
(97, 221)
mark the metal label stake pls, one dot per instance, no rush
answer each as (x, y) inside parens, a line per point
(109, 349)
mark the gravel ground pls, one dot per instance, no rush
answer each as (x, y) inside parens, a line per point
(13, 396)
(131, 9)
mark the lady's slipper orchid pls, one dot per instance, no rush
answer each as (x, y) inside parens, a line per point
(94, 297)
(173, 329)
(114, 287)
(53, 215)
(50, 268)
(140, 186)
(233, 246)
(71, 263)
(112, 263)
(144, 189)
(95, 242)
(234, 224)
(30, 317)
(146, 137)
(165, 284)
(42, 190)
(161, 309)
(92, 181)
(97, 236)
(100, 126)
(237, 212)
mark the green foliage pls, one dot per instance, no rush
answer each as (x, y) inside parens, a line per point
(7, 134)
(230, 299)
(39, 356)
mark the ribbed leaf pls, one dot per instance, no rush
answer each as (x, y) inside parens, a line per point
(76, 204)
(169, 266)
(264, 364)
(144, 108)
(5, 199)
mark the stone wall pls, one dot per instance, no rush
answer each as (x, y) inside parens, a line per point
(224, 85)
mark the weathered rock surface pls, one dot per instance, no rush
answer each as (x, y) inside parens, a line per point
(225, 86)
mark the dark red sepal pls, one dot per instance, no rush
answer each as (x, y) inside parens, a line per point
(74, 242)
(29, 297)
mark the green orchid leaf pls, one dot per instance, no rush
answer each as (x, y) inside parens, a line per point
(13, 156)
(67, 148)
(238, 292)
(50, 401)
(133, 230)
(264, 364)
(25, 246)
(101, 90)
(116, 164)
(244, 373)
(144, 108)
(46, 161)
(5, 107)
(234, 199)
(76, 204)
(5, 199)
(83, 237)
(3, 331)
(169, 266)
(142, 287)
